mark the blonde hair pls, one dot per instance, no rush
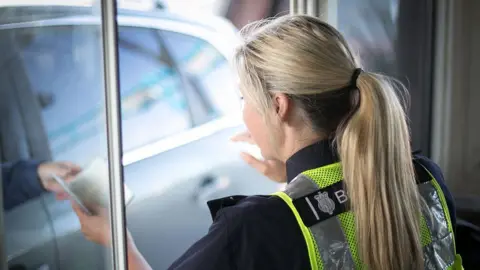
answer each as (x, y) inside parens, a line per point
(310, 62)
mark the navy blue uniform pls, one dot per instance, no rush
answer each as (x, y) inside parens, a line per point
(260, 232)
(20, 183)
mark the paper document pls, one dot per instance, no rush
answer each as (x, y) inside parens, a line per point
(90, 188)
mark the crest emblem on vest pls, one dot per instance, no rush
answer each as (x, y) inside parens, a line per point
(325, 204)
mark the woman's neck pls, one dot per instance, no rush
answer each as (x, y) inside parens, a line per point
(295, 140)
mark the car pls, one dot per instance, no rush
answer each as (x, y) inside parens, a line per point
(180, 106)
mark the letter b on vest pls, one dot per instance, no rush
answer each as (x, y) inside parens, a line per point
(341, 196)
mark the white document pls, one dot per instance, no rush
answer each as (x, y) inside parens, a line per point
(90, 188)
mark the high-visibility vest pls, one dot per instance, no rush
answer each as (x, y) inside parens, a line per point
(319, 203)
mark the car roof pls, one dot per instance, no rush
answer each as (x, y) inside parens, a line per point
(20, 14)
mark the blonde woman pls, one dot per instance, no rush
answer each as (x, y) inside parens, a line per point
(356, 195)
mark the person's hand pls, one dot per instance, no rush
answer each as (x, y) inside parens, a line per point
(274, 169)
(94, 228)
(65, 170)
(97, 228)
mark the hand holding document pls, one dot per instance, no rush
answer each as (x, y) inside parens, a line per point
(90, 187)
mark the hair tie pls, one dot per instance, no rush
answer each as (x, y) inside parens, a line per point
(353, 80)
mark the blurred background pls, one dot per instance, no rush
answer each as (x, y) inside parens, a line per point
(180, 105)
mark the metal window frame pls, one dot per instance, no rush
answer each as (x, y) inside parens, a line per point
(415, 49)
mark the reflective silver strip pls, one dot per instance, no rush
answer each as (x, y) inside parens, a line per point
(312, 208)
(329, 235)
(439, 254)
(434, 216)
(300, 186)
(332, 244)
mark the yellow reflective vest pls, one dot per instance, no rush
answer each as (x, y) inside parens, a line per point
(319, 203)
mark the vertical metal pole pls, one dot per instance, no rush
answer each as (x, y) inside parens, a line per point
(293, 7)
(317, 8)
(302, 7)
(312, 7)
(112, 107)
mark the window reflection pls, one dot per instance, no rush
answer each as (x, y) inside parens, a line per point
(176, 88)
(51, 97)
(207, 71)
(58, 63)
(151, 87)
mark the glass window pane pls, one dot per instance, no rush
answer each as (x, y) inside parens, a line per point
(52, 124)
(173, 179)
(72, 102)
(207, 71)
(151, 88)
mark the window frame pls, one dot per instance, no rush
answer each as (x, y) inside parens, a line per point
(417, 62)
(223, 45)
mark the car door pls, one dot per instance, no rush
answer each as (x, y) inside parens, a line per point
(175, 176)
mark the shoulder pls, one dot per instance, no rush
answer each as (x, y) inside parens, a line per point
(431, 166)
(254, 232)
(433, 169)
(242, 212)
(258, 228)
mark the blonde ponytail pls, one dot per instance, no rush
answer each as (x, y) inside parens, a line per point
(374, 147)
(310, 61)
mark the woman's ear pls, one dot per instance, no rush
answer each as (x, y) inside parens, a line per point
(282, 105)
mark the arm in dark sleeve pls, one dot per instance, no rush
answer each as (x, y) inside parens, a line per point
(213, 251)
(436, 172)
(20, 183)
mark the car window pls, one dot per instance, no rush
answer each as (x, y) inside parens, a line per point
(207, 70)
(58, 62)
(153, 94)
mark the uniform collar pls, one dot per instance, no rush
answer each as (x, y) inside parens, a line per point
(313, 156)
